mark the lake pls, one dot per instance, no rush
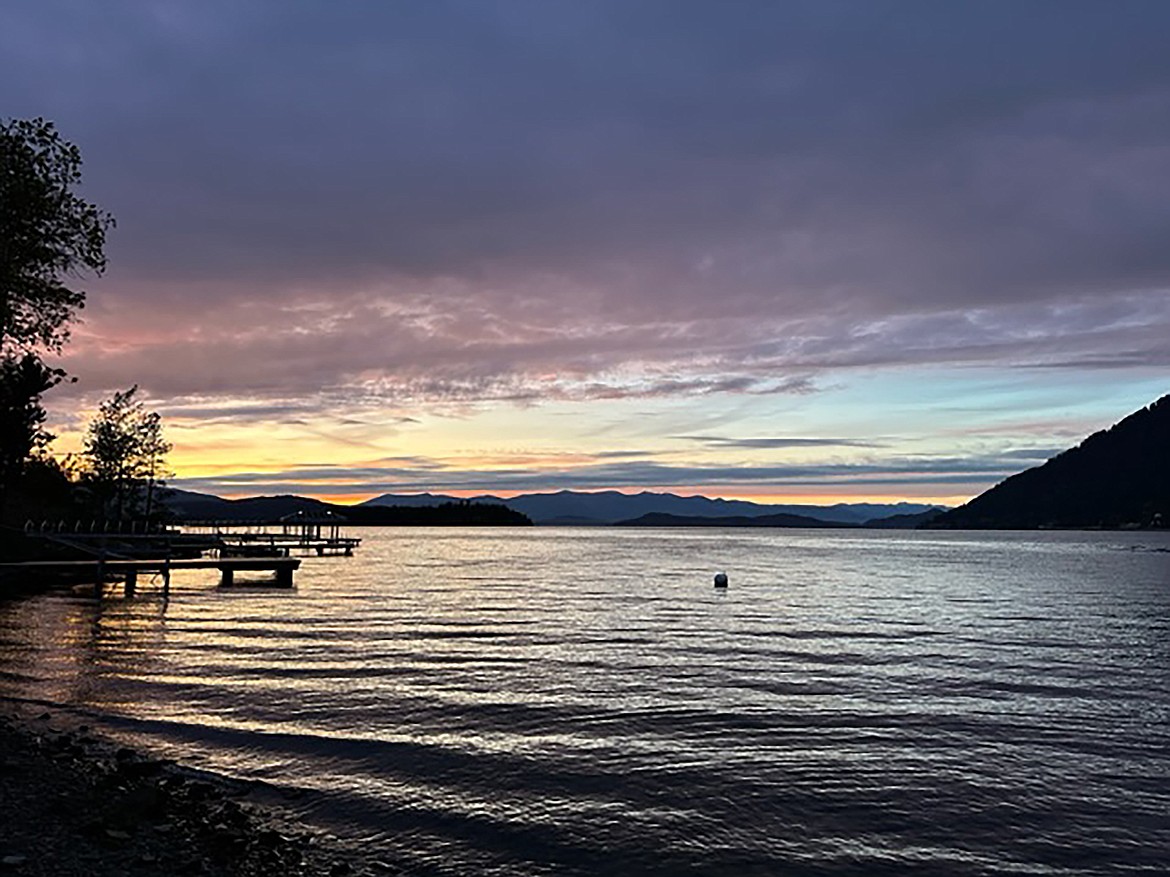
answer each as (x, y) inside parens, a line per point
(582, 701)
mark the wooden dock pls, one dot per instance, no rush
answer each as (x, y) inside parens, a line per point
(284, 544)
(276, 538)
(281, 567)
(227, 546)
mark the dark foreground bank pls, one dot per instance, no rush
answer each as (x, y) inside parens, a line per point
(74, 804)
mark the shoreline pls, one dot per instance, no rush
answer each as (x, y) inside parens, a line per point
(75, 802)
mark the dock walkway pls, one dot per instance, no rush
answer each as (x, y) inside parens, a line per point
(276, 537)
(281, 543)
(281, 567)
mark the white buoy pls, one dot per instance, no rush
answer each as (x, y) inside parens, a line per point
(721, 580)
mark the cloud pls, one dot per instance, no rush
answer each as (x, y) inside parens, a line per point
(776, 443)
(245, 412)
(419, 355)
(713, 174)
(1031, 454)
(420, 474)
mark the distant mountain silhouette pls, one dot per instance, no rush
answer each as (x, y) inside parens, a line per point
(660, 519)
(1119, 477)
(449, 514)
(190, 506)
(610, 506)
(565, 508)
(904, 522)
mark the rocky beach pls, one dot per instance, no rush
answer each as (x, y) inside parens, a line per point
(73, 803)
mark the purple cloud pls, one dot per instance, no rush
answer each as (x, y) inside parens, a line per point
(454, 202)
(939, 473)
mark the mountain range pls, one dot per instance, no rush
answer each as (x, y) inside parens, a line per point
(565, 507)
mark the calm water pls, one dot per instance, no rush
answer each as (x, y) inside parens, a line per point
(558, 701)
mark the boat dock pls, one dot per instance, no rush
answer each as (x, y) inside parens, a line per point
(318, 534)
(283, 544)
(129, 569)
(97, 554)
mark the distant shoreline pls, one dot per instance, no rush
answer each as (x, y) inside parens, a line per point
(566, 507)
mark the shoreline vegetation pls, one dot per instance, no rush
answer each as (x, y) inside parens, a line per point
(272, 509)
(77, 804)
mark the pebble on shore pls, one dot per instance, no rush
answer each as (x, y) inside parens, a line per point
(73, 804)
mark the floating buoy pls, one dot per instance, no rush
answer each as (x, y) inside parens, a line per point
(721, 580)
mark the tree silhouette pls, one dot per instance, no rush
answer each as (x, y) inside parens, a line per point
(125, 455)
(22, 382)
(46, 234)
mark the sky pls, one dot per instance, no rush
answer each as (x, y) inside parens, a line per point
(802, 251)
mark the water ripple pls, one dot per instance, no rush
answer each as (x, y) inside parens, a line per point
(577, 702)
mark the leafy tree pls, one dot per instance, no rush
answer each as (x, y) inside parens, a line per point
(22, 382)
(152, 450)
(125, 453)
(46, 233)
(45, 490)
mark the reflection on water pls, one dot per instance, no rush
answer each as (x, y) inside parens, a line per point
(583, 701)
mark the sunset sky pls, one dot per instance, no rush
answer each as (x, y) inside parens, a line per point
(801, 250)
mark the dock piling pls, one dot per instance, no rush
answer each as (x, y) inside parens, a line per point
(99, 581)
